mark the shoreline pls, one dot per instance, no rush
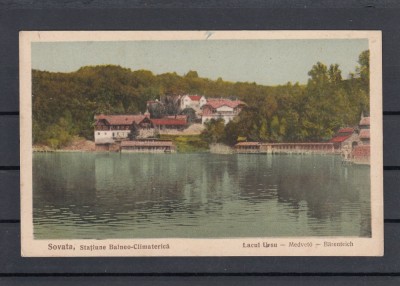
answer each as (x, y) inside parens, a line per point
(81, 145)
(198, 152)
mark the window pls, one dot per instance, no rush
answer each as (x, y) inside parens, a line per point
(98, 133)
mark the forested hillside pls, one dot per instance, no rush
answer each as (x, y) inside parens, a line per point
(64, 103)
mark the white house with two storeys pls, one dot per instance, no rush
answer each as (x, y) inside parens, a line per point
(192, 101)
(221, 108)
(111, 128)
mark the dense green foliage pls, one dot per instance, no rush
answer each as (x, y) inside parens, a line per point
(134, 131)
(64, 104)
(294, 113)
(187, 143)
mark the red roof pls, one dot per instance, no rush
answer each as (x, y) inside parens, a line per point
(120, 119)
(301, 144)
(364, 134)
(146, 143)
(364, 121)
(195, 97)
(216, 103)
(180, 117)
(346, 130)
(362, 150)
(340, 139)
(168, 121)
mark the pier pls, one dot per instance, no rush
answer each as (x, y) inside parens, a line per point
(148, 146)
(284, 148)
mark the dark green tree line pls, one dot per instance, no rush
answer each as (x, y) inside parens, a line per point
(64, 104)
(311, 113)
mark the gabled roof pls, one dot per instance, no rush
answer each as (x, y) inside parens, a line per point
(364, 121)
(180, 117)
(216, 103)
(195, 97)
(340, 139)
(168, 121)
(346, 130)
(120, 119)
(342, 135)
(364, 134)
(146, 143)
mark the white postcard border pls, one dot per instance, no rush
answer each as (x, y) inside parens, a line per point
(269, 246)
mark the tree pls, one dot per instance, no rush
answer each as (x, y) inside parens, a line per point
(192, 74)
(190, 113)
(292, 127)
(335, 74)
(231, 133)
(134, 131)
(156, 109)
(275, 129)
(363, 69)
(171, 104)
(64, 104)
(318, 81)
(214, 130)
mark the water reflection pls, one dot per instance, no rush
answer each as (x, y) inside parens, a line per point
(198, 195)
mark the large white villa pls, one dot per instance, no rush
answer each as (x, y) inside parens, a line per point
(221, 108)
(193, 101)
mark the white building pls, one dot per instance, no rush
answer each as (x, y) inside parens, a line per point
(111, 128)
(192, 101)
(221, 108)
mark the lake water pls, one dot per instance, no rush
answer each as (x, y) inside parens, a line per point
(113, 195)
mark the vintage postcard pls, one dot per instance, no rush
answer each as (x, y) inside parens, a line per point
(201, 143)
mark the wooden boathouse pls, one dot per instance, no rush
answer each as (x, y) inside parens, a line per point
(361, 155)
(148, 146)
(284, 148)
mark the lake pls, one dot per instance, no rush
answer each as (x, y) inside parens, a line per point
(114, 195)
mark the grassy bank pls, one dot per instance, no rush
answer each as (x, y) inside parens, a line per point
(184, 144)
(75, 144)
(187, 143)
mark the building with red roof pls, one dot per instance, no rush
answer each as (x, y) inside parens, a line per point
(111, 128)
(192, 101)
(195, 97)
(345, 138)
(364, 136)
(364, 130)
(354, 143)
(180, 117)
(361, 154)
(169, 123)
(364, 123)
(221, 108)
(348, 130)
(119, 119)
(115, 128)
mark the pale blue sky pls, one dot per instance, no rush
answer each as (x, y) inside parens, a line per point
(268, 62)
